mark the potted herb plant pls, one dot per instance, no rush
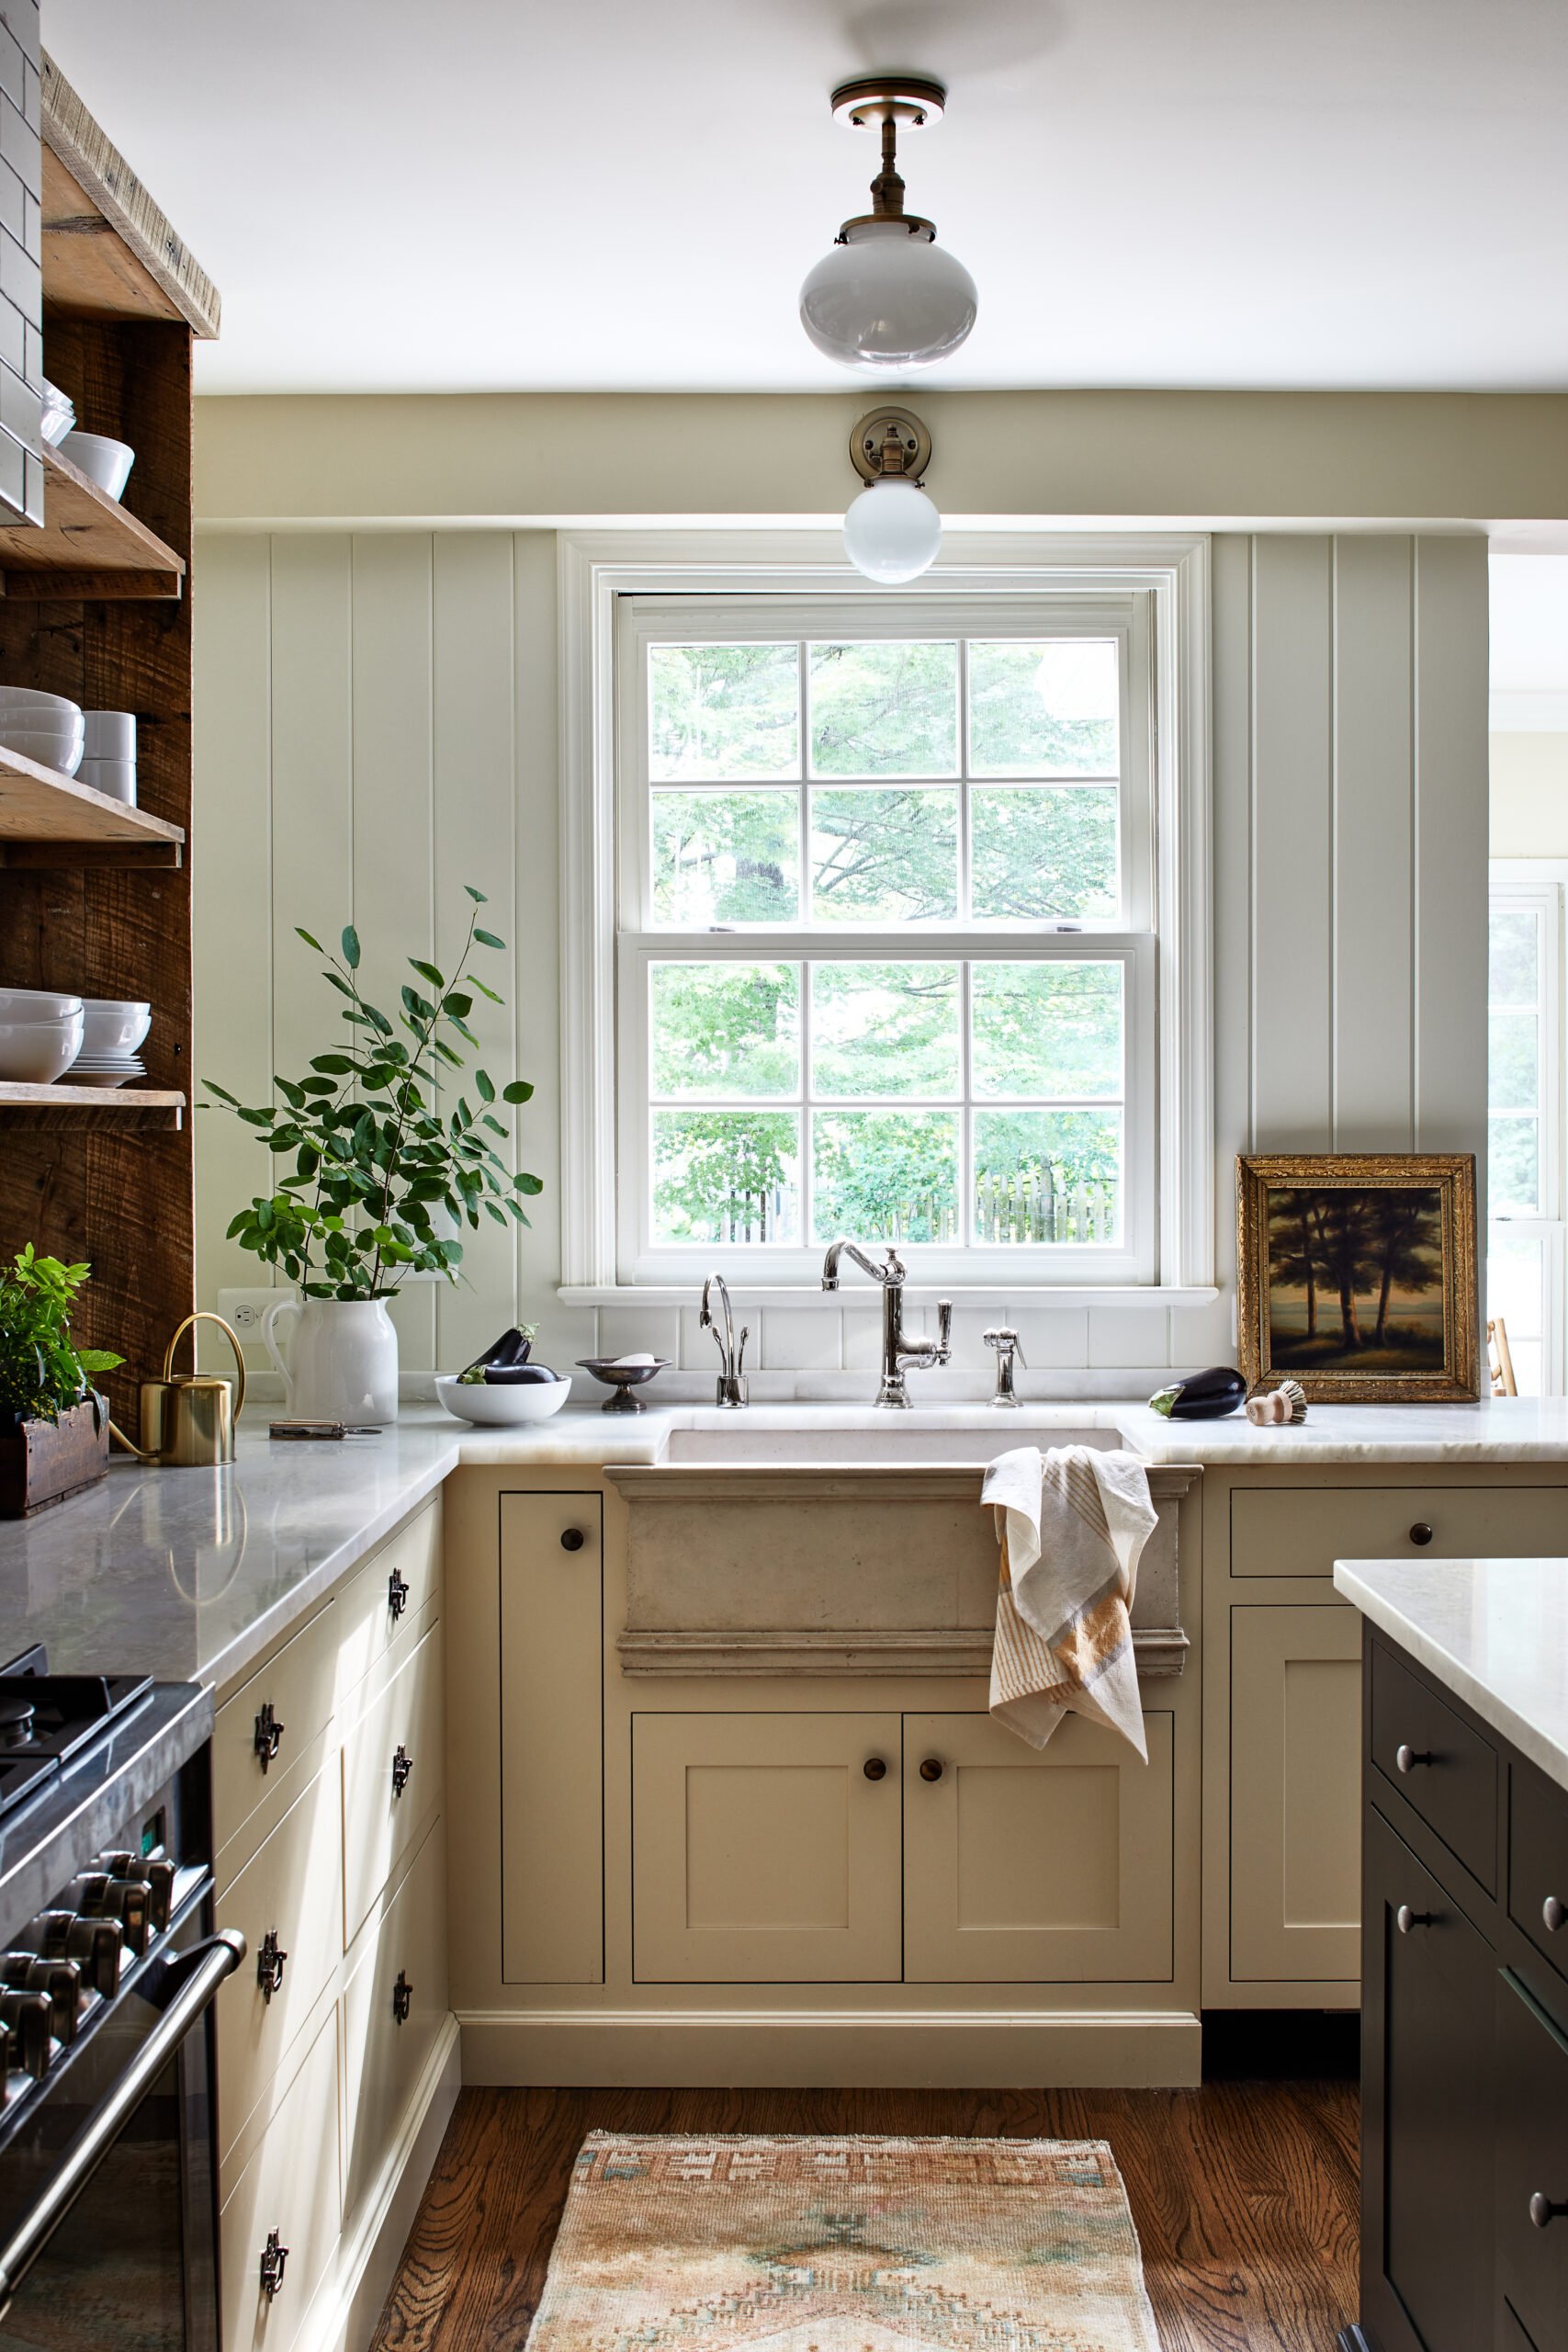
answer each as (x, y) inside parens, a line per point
(382, 1175)
(54, 1426)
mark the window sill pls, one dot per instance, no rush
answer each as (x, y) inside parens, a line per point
(855, 1291)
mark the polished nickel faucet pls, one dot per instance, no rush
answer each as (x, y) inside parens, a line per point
(731, 1379)
(898, 1349)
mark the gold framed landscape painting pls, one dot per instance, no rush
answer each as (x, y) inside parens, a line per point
(1357, 1276)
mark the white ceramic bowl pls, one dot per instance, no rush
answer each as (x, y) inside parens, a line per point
(59, 414)
(34, 698)
(38, 1052)
(22, 1005)
(113, 1026)
(52, 747)
(107, 462)
(111, 734)
(504, 1404)
(117, 777)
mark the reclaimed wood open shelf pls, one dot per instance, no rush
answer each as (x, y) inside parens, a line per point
(48, 819)
(89, 545)
(95, 895)
(75, 1106)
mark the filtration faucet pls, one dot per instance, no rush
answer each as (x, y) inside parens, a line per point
(732, 1390)
(898, 1349)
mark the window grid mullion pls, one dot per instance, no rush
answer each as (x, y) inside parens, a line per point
(807, 1186)
(805, 903)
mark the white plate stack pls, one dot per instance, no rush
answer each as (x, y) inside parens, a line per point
(59, 416)
(108, 761)
(112, 1029)
(46, 728)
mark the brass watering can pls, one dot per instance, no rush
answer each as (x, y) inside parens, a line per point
(187, 1422)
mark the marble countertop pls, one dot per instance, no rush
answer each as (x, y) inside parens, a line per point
(1493, 1632)
(190, 1574)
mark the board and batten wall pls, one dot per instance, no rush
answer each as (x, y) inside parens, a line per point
(375, 726)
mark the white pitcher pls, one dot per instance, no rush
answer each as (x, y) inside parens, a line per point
(343, 1359)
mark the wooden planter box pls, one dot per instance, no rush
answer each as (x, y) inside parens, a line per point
(42, 1462)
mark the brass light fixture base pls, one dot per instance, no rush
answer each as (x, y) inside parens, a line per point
(869, 438)
(872, 100)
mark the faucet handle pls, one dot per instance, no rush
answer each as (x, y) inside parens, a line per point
(943, 1330)
(1006, 1342)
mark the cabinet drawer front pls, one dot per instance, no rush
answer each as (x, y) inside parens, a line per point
(384, 1602)
(1049, 1867)
(288, 1889)
(762, 1853)
(1532, 2162)
(1295, 1794)
(291, 2184)
(1299, 1532)
(387, 2036)
(1538, 1863)
(380, 1821)
(269, 1729)
(1449, 1774)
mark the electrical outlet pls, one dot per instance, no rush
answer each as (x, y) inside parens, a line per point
(243, 1309)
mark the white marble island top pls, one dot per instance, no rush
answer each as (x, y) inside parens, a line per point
(1493, 1632)
(190, 1574)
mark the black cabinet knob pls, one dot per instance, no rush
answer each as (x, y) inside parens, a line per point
(270, 1961)
(931, 1767)
(1408, 1757)
(1404, 1918)
(402, 1771)
(1554, 1913)
(273, 2262)
(1543, 2212)
(398, 1591)
(402, 1999)
(269, 1735)
(572, 1539)
(1420, 1532)
(875, 1767)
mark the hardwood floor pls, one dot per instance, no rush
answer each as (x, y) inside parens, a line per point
(1244, 2195)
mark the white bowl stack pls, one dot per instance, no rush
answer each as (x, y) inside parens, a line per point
(59, 416)
(104, 461)
(108, 760)
(113, 1029)
(45, 727)
(41, 1034)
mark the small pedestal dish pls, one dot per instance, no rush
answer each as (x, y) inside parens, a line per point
(621, 1379)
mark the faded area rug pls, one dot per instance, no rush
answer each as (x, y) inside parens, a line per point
(862, 2245)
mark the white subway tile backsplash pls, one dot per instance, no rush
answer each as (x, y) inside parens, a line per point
(634, 1331)
(1054, 1338)
(1125, 1336)
(801, 1338)
(1200, 1335)
(861, 1341)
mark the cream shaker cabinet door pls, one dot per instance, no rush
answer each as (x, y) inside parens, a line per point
(285, 2204)
(765, 1849)
(393, 1768)
(1049, 1866)
(393, 2008)
(1295, 1784)
(552, 1740)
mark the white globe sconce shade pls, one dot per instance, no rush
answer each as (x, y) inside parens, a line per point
(886, 296)
(892, 531)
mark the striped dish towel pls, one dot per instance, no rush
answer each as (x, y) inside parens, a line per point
(1072, 1525)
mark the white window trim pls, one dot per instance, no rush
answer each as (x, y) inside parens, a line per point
(1540, 885)
(596, 568)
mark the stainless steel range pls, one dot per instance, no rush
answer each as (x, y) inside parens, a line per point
(108, 1971)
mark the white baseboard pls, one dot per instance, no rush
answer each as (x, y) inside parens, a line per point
(349, 2303)
(860, 2050)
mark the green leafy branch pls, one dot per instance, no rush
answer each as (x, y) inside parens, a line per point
(42, 1371)
(374, 1153)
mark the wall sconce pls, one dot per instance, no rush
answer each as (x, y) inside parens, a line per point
(892, 531)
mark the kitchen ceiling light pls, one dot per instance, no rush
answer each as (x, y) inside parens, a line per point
(885, 296)
(892, 531)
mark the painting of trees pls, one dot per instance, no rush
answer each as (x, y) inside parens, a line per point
(1355, 1278)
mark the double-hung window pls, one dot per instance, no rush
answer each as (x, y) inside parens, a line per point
(885, 954)
(1525, 1238)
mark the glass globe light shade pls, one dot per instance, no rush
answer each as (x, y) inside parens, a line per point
(892, 531)
(887, 298)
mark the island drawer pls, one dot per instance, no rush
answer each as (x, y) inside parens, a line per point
(1445, 1771)
(264, 1733)
(384, 1603)
(1301, 1531)
(1538, 1863)
(392, 1774)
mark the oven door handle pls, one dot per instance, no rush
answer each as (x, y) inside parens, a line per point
(200, 1972)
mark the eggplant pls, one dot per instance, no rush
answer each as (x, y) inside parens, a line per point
(1203, 1397)
(503, 1354)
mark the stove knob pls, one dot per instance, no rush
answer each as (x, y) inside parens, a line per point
(89, 1893)
(94, 1944)
(129, 1901)
(26, 2019)
(159, 1878)
(120, 1865)
(59, 1980)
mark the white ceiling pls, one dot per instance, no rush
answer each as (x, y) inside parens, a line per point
(401, 195)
